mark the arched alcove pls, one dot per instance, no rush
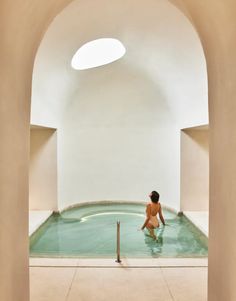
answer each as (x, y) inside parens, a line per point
(23, 24)
(119, 125)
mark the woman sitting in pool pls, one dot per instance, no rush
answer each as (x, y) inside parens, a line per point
(152, 209)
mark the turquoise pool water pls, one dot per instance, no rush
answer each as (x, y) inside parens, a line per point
(90, 231)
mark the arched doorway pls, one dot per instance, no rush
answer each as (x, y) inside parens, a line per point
(23, 25)
(125, 117)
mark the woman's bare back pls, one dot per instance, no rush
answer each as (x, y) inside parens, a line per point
(154, 208)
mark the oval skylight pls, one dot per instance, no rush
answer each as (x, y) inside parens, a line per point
(97, 53)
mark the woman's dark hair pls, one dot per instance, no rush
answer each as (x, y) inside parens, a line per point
(155, 196)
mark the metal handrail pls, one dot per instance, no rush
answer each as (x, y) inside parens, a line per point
(118, 242)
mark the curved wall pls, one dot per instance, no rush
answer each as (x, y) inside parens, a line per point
(119, 125)
(22, 25)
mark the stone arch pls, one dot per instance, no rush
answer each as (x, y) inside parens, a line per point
(169, 89)
(23, 24)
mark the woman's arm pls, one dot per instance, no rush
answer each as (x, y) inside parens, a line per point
(161, 216)
(148, 214)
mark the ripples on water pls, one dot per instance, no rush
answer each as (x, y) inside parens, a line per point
(90, 231)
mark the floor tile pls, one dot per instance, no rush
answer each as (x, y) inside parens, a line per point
(37, 218)
(200, 219)
(50, 284)
(114, 284)
(187, 284)
(53, 262)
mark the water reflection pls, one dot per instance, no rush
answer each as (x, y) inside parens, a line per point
(66, 235)
(155, 246)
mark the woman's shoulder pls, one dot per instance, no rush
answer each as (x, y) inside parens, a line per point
(149, 206)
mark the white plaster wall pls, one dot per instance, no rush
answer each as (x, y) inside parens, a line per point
(116, 142)
(23, 23)
(43, 169)
(195, 169)
(119, 125)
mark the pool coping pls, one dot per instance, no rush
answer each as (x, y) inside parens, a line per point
(89, 203)
(109, 262)
(125, 262)
(108, 202)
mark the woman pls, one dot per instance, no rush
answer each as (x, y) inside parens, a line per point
(152, 209)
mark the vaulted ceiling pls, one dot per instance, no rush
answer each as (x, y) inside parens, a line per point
(164, 60)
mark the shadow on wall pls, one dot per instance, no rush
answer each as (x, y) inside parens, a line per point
(117, 139)
(43, 169)
(117, 95)
(195, 169)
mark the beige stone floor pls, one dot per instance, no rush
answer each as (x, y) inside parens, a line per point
(37, 218)
(102, 280)
(199, 219)
(89, 283)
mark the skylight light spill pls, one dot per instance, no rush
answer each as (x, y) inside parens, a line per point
(97, 53)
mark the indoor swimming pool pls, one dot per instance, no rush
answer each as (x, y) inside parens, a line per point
(90, 231)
